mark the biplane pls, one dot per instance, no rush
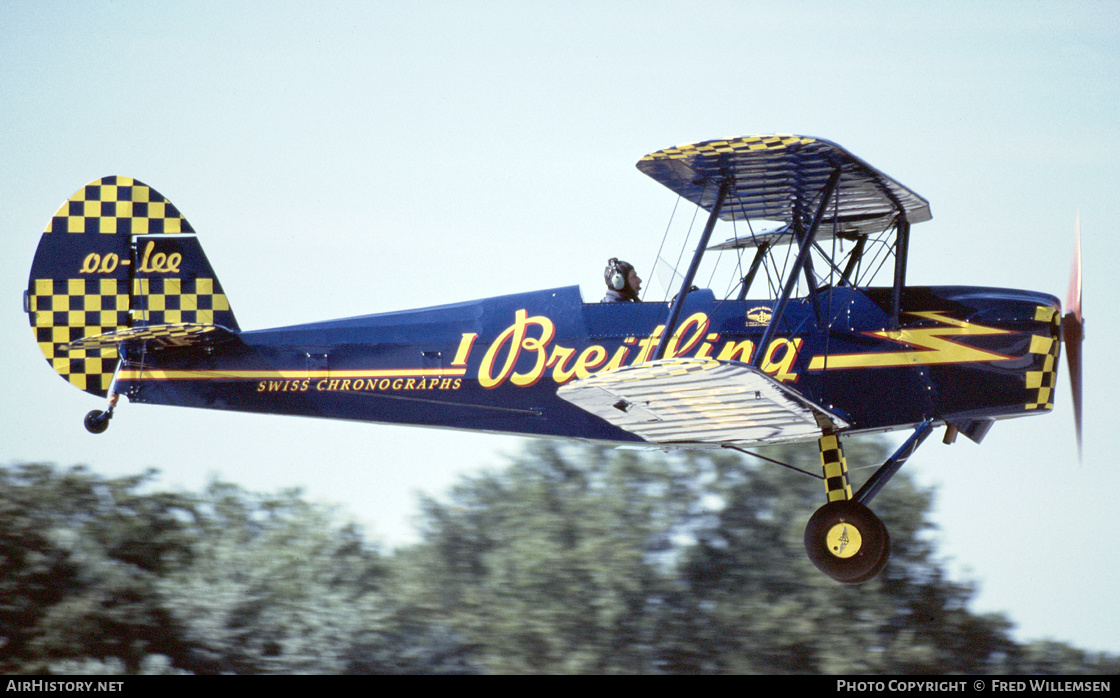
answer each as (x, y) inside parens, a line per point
(801, 345)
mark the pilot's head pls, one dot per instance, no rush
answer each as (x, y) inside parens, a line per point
(621, 277)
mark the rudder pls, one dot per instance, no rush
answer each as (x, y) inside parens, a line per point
(116, 255)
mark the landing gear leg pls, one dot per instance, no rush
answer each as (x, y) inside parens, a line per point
(844, 539)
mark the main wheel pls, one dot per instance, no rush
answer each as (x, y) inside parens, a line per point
(97, 421)
(847, 541)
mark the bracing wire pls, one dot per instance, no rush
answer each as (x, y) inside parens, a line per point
(883, 252)
(680, 255)
(664, 237)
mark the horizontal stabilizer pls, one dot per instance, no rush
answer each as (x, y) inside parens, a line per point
(700, 401)
(178, 335)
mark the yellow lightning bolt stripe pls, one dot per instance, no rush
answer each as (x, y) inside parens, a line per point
(930, 346)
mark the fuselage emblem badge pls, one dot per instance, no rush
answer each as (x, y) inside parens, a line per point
(758, 316)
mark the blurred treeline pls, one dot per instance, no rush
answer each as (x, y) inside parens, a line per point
(570, 559)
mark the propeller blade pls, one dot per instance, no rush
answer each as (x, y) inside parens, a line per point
(1073, 331)
(1073, 295)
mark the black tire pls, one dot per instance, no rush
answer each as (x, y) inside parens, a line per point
(97, 421)
(847, 542)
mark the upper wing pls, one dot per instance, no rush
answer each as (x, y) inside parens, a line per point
(700, 401)
(778, 178)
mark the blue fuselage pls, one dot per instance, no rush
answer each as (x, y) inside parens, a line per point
(960, 355)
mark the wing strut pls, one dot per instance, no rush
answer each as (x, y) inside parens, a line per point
(902, 246)
(893, 464)
(678, 302)
(846, 279)
(748, 280)
(805, 243)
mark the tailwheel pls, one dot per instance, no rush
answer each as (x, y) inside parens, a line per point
(847, 541)
(97, 421)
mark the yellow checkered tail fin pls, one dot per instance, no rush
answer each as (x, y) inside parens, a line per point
(116, 255)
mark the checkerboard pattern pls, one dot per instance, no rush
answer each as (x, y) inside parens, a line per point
(163, 335)
(65, 310)
(835, 468)
(82, 287)
(731, 145)
(172, 301)
(1040, 384)
(118, 206)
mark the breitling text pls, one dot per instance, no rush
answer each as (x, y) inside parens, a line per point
(532, 337)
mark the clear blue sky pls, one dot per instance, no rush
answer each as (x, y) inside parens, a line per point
(345, 158)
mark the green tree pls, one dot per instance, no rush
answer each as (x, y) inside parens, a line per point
(274, 585)
(571, 559)
(550, 566)
(580, 559)
(79, 557)
(99, 576)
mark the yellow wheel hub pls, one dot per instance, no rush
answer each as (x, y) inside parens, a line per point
(844, 540)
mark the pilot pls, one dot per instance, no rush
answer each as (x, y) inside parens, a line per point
(623, 283)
